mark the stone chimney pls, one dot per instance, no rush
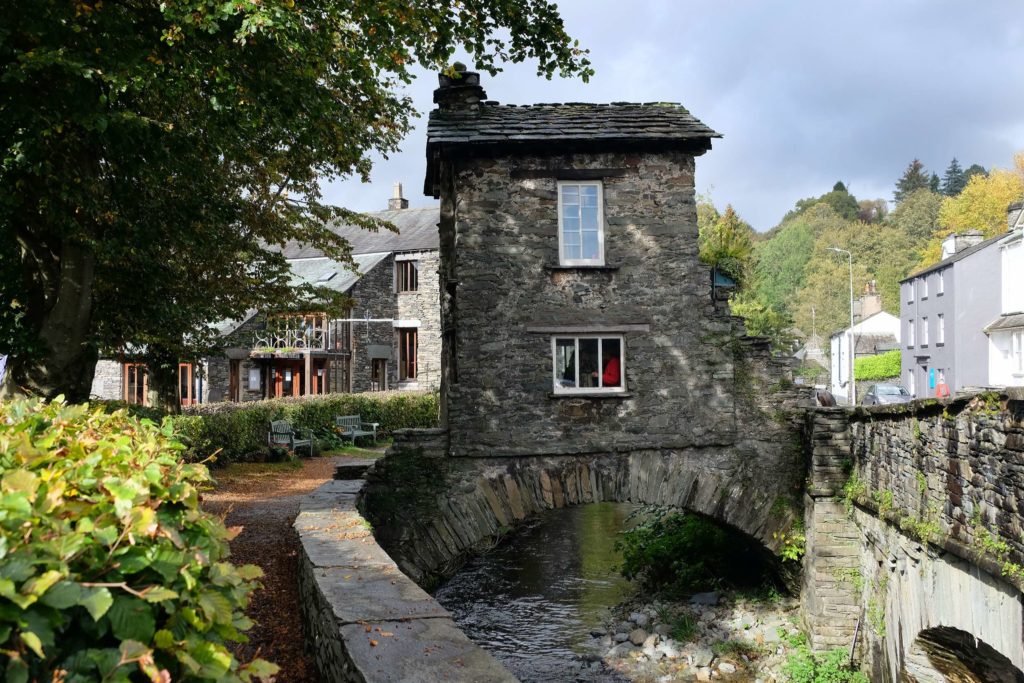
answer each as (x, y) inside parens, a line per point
(1014, 216)
(957, 242)
(397, 201)
(870, 300)
(461, 93)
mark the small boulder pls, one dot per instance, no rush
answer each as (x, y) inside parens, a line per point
(640, 619)
(703, 674)
(663, 630)
(727, 668)
(637, 636)
(621, 651)
(710, 598)
(651, 640)
(620, 637)
(703, 656)
(669, 648)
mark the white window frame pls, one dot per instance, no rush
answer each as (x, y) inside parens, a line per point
(910, 333)
(912, 381)
(911, 286)
(941, 332)
(924, 287)
(942, 283)
(599, 261)
(600, 364)
(1017, 352)
(924, 331)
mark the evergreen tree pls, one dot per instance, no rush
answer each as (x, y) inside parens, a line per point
(934, 183)
(914, 178)
(954, 181)
(973, 170)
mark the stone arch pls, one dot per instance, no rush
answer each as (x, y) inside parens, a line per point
(944, 653)
(482, 499)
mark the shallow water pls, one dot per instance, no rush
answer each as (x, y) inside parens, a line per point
(533, 600)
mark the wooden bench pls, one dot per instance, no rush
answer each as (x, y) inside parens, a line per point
(352, 427)
(283, 435)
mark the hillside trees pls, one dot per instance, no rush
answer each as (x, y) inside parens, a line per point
(914, 178)
(954, 180)
(148, 150)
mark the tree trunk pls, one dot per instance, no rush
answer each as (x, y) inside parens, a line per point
(66, 361)
(163, 379)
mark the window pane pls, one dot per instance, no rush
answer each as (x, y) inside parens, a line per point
(588, 195)
(588, 216)
(591, 247)
(588, 363)
(565, 363)
(570, 194)
(611, 356)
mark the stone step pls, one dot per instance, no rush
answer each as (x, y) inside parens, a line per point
(352, 468)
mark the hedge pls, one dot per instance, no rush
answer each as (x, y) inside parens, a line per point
(883, 366)
(109, 569)
(237, 432)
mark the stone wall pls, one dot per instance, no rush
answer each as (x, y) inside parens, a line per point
(365, 621)
(424, 305)
(375, 293)
(107, 382)
(913, 528)
(503, 287)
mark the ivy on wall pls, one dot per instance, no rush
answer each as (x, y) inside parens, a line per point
(883, 366)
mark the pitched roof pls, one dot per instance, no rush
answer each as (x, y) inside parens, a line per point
(417, 231)
(960, 255)
(573, 124)
(1010, 321)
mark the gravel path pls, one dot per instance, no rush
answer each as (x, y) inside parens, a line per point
(264, 500)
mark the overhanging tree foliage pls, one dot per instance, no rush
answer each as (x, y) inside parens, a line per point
(151, 149)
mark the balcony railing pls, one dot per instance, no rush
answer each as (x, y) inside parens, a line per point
(311, 331)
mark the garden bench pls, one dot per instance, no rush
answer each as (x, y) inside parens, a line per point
(283, 435)
(352, 427)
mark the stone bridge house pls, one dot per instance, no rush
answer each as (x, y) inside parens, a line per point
(390, 339)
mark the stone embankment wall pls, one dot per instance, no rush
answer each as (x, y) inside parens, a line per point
(365, 621)
(913, 525)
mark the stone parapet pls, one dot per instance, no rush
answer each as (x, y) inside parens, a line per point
(365, 621)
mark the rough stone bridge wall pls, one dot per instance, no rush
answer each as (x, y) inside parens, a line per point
(914, 527)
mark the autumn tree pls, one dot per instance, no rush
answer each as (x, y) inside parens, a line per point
(150, 151)
(726, 242)
(917, 215)
(913, 178)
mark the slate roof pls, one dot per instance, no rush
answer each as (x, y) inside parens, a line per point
(1009, 321)
(573, 124)
(417, 231)
(871, 344)
(960, 255)
(320, 271)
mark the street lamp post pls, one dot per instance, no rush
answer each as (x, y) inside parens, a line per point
(852, 351)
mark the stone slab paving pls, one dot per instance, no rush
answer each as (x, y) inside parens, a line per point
(364, 619)
(420, 651)
(352, 468)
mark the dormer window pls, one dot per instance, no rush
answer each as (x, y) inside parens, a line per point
(580, 224)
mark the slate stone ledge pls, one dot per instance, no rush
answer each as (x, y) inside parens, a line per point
(596, 394)
(608, 269)
(364, 620)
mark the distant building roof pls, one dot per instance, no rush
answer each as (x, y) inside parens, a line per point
(871, 344)
(1006, 322)
(580, 126)
(417, 231)
(962, 254)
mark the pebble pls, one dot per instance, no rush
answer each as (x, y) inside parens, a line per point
(651, 640)
(703, 656)
(638, 636)
(621, 650)
(669, 648)
(663, 630)
(620, 637)
(727, 668)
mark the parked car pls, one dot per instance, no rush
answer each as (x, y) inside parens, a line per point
(886, 394)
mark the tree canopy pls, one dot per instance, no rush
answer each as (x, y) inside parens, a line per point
(150, 151)
(914, 178)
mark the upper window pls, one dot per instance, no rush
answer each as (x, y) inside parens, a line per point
(580, 224)
(588, 364)
(942, 283)
(910, 292)
(924, 331)
(941, 331)
(924, 287)
(910, 333)
(407, 276)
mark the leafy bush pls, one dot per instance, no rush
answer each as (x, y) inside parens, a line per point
(238, 431)
(883, 366)
(133, 409)
(804, 666)
(680, 552)
(109, 570)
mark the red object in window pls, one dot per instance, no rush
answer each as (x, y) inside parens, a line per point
(610, 378)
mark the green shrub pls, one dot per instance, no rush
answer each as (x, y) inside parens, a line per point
(133, 409)
(883, 366)
(804, 666)
(237, 432)
(109, 570)
(678, 553)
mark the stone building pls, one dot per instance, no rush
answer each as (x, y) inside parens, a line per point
(576, 316)
(390, 339)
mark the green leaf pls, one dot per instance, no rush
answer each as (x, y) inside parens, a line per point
(163, 639)
(132, 619)
(17, 671)
(63, 595)
(42, 583)
(159, 594)
(132, 650)
(32, 641)
(97, 601)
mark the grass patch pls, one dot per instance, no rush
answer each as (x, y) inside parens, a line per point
(684, 627)
(737, 649)
(354, 452)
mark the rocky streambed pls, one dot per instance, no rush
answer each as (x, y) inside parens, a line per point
(712, 636)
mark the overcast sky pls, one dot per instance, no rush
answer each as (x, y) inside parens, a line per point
(805, 92)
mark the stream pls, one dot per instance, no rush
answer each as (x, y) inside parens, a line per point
(533, 601)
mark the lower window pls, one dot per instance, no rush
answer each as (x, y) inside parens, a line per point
(407, 351)
(136, 384)
(588, 364)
